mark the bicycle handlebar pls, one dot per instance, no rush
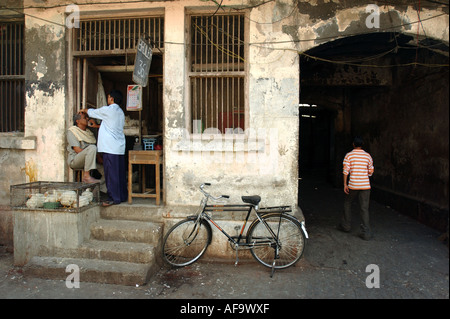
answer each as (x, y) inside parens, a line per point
(208, 194)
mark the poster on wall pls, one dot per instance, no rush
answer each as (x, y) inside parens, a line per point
(134, 97)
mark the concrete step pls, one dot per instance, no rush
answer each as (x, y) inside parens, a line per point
(123, 249)
(136, 212)
(119, 251)
(91, 270)
(127, 231)
(109, 250)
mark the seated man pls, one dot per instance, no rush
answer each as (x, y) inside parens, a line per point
(81, 146)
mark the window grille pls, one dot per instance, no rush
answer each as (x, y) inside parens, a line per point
(12, 94)
(107, 36)
(217, 72)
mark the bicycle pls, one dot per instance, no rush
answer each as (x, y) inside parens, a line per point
(275, 238)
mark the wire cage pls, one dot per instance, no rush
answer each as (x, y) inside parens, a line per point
(54, 196)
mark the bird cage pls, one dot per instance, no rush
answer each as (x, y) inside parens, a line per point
(54, 196)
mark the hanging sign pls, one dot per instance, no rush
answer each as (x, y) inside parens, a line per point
(134, 98)
(142, 62)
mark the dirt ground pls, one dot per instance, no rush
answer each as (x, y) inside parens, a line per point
(404, 260)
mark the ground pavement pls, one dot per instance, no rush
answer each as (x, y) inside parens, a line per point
(405, 259)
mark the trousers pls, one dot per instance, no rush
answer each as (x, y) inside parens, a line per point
(364, 199)
(115, 177)
(86, 159)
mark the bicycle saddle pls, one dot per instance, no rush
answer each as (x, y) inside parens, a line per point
(254, 200)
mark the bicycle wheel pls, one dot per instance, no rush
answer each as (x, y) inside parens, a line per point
(291, 239)
(186, 242)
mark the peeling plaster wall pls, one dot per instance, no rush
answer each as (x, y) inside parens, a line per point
(322, 21)
(45, 91)
(277, 33)
(264, 160)
(267, 164)
(274, 97)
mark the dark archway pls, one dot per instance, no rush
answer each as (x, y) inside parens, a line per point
(393, 90)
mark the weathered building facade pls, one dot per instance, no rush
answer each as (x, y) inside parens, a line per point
(234, 67)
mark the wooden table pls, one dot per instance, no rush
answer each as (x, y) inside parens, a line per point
(145, 158)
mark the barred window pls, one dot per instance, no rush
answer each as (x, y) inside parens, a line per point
(106, 36)
(217, 72)
(12, 79)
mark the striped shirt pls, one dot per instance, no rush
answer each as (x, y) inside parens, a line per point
(359, 165)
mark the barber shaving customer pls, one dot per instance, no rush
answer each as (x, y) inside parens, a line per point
(82, 147)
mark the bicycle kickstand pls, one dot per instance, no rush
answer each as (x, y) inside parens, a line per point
(237, 255)
(275, 257)
(273, 269)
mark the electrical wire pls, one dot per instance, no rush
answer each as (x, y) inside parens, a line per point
(255, 43)
(294, 5)
(264, 44)
(219, 5)
(69, 2)
(220, 48)
(237, 8)
(430, 65)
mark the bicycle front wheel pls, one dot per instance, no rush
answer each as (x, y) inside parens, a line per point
(186, 242)
(291, 240)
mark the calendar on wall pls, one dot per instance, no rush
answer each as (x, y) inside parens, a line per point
(134, 97)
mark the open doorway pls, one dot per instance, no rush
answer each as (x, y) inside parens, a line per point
(96, 76)
(103, 51)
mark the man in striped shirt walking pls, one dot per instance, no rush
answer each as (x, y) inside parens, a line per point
(359, 165)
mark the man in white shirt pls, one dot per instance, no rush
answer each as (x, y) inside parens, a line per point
(111, 142)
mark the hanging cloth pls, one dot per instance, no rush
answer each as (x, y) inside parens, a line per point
(85, 136)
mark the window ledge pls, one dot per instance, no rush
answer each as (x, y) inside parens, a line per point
(17, 141)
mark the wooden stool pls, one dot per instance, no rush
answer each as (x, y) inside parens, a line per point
(77, 175)
(145, 158)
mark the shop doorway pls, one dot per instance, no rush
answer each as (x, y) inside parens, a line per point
(103, 50)
(96, 76)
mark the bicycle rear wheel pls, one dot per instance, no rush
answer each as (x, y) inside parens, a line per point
(291, 240)
(186, 242)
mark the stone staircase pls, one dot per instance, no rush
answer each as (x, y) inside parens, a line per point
(124, 249)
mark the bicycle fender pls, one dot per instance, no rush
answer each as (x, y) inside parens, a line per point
(302, 223)
(304, 229)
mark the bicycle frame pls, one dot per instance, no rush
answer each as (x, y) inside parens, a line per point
(229, 208)
(240, 208)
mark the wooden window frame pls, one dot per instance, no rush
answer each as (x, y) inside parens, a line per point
(99, 36)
